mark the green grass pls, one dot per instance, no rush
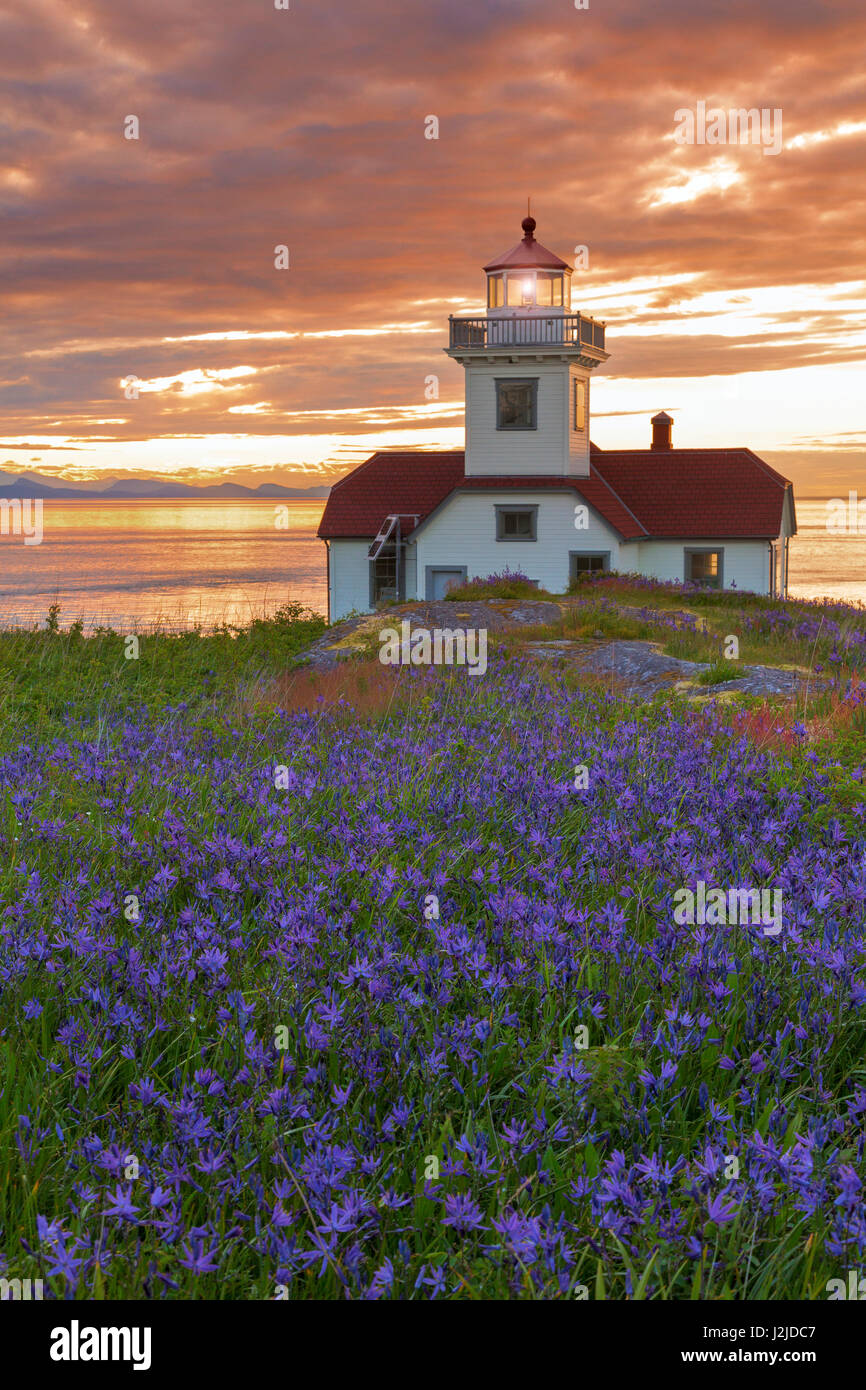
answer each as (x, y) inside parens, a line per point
(45, 673)
(717, 674)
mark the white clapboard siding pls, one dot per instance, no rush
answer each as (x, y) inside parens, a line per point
(578, 440)
(463, 534)
(349, 589)
(552, 448)
(745, 564)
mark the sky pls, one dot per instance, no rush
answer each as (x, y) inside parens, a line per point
(732, 278)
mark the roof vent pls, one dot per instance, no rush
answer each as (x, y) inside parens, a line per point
(662, 425)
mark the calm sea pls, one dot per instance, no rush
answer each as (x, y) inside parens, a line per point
(824, 565)
(132, 564)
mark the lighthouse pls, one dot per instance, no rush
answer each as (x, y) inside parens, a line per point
(528, 362)
(530, 493)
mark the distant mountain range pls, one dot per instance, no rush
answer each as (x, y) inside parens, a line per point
(115, 490)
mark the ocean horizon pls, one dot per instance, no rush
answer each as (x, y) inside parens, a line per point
(177, 564)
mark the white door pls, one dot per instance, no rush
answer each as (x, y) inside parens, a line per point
(443, 580)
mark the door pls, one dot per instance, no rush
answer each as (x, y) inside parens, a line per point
(441, 580)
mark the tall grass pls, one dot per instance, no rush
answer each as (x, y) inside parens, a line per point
(47, 674)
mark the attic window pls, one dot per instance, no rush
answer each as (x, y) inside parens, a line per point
(704, 567)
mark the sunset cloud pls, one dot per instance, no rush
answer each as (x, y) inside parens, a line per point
(721, 174)
(192, 383)
(155, 258)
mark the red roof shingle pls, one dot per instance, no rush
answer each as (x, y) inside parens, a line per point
(409, 483)
(528, 255)
(701, 494)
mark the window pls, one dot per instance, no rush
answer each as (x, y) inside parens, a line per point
(525, 289)
(521, 289)
(704, 567)
(516, 404)
(548, 290)
(516, 523)
(383, 578)
(589, 562)
(579, 405)
(495, 291)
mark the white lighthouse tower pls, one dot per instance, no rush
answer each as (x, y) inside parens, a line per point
(524, 497)
(528, 363)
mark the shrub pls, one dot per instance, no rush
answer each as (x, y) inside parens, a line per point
(508, 584)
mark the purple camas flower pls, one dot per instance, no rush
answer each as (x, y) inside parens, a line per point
(382, 1281)
(463, 1213)
(301, 1061)
(721, 1211)
(196, 1259)
(121, 1205)
(435, 1280)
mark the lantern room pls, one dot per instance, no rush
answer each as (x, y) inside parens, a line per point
(528, 278)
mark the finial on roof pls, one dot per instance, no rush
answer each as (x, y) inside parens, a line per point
(528, 224)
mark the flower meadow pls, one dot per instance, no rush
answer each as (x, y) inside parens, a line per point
(302, 1005)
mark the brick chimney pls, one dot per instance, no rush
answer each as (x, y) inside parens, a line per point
(662, 424)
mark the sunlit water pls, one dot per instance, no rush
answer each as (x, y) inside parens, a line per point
(129, 565)
(135, 564)
(823, 565)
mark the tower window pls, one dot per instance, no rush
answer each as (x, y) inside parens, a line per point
(521, 289)
(527, 289)
(517, 404)
(548, 290)
(516, 523)
(495, 291)
(580, 405)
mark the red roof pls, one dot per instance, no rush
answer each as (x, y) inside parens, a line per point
(409, 483)
(700, 494)
(528, 254)
(712, 494)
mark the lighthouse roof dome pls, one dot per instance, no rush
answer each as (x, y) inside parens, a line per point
(528, 254)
